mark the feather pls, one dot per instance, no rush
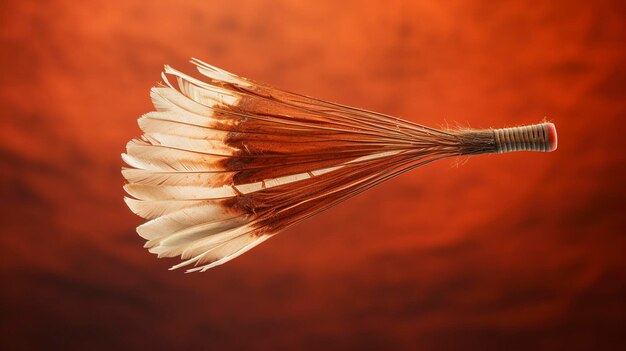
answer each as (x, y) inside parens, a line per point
(182, 124)
(171, 223)
(158, 208)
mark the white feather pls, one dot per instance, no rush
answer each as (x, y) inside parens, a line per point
(226, 253)
(203, 255)
(185, 124)
(168, 99)
(212, 147)
(201, 92)
(156, 208)
(206, 178)
(140, 154)
(218, 74)
(184, 242)
(204, 244)
(216, 230)
(173, 222)
(160, 192)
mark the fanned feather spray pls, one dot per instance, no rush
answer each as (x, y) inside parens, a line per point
(225, 164)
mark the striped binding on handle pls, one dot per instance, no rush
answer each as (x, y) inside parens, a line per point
(536, 137)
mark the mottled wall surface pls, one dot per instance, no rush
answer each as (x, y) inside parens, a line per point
(518, 251)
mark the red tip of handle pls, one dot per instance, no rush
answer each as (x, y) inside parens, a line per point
(552, 139)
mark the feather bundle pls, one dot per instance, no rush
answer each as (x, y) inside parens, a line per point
(226, 163)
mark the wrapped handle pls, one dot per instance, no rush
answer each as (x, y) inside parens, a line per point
(536, 137)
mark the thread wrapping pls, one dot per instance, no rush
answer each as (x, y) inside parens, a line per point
(526, 138)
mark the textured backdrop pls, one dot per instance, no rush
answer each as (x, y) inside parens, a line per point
(518, 251)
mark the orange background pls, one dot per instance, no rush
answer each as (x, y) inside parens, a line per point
(518, 251)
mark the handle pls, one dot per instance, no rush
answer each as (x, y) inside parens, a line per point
(536, 137)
